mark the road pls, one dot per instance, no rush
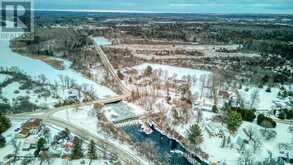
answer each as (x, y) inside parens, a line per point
(123, 154)
(130, 158)
(110, 69)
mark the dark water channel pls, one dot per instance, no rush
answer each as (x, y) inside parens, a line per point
(163, 146)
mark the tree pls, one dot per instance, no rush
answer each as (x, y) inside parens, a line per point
(148, 71)
(92, 151)
(266, 124)
(2, 141)
(76, 152)
(44, 155)
(40, 146)
(234, 120)
(246, 158)
(254, 98)
(4, 123)
(215, 109)
(271, 161)
(195, 136)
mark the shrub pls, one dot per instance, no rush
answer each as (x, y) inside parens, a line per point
(247, 114)
(285, 113)
(2, 141)
(268, 90)
(4, 107)
(266, 122)
(215, 109)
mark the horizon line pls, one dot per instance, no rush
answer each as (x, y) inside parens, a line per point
(155, 12)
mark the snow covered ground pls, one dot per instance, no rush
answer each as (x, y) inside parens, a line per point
(4, 77)
(102, 41)
(198, 77)
(265, 99)
(9, 92)
(230, 155)
(120, 111)
(35, 68)
(179, 71)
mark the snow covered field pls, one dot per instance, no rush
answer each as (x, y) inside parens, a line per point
(180, 73)
(35, 68)
(86, 115)
(265, 99)
(102, 41)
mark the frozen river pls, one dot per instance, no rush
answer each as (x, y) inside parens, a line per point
(34, 68)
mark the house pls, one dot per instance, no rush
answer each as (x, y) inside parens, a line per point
(24, 133)
(68, 146)
(33, 125)
(286, 152)
(224, 94)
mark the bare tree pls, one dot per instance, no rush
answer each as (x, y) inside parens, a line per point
(254, 98)
(202, 84)
(246, 158)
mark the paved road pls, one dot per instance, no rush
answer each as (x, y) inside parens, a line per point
(123, 154)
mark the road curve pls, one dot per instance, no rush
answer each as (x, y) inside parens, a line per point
(123, 155)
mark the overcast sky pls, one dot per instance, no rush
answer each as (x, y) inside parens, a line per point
(166, 6)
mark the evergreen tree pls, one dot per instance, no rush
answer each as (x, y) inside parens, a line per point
(4, 123)
(40, 146)
(76, 151)
(195, 136)
(92, 151)
(148, 71)
(234, 120)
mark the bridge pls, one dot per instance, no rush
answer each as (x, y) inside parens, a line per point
(113, 99)
(134, 120)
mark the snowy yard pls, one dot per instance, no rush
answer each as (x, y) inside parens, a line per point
(11, 133)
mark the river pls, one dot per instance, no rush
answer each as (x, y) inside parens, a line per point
(163, 146)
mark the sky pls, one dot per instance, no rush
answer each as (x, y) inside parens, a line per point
(171, 6)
